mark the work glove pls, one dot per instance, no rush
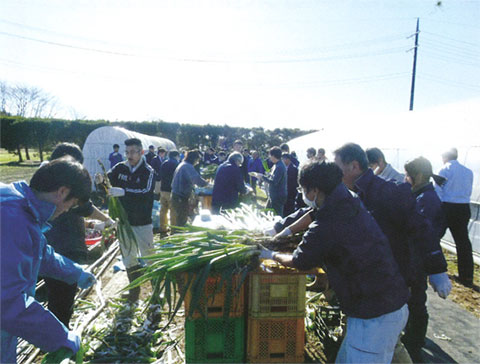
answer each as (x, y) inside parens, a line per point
(86, 280)
(284, 233)
(266, 253)
(440, 284)
(72, 342)
(99, 226)
(98, 178)
(110, 223)
(270, 232)
(116, 192)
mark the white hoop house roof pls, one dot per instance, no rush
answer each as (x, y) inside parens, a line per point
(99, 144)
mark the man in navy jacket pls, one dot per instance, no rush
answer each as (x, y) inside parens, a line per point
(359, 263)
(228, 184)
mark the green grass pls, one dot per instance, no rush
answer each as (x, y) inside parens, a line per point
(11, 170)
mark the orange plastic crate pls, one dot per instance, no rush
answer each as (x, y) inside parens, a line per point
(214, 300)
(276, 294)
(275, 340)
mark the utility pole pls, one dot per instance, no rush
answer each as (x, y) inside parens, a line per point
(412, 90)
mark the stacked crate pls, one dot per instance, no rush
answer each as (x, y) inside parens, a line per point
(211, 334)
(276, 311)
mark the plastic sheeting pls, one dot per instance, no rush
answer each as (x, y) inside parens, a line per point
(99, 144)
(405, 136)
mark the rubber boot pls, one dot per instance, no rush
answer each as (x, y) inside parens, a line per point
(132, 274)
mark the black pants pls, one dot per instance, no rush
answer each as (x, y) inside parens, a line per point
(416, 329)
(458, 216)
(61, 297)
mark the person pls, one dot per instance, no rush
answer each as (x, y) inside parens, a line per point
(292, 184)
(255, 165)
(222, 157)
(311, 153)
(209, 156)
(455, 196)
(150, 155)
(359, 263)
(156, 164)
(377, 162)
(418, 173)
(133, 182)
(237, 146)
(415, 248)
(277, 181)
(321, 155)
(184, 178)
(228, 184)
(166, 176)
(67, 237)
(25, 254)
(244, 166)
(293, 157)
(115, 157)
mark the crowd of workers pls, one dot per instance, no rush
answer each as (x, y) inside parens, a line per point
(375, 231)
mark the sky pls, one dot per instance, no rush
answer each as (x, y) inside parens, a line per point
(272, 63)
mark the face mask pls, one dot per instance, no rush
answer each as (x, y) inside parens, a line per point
(309, 203)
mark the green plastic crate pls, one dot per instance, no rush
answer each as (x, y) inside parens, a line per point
(215, 340)
(277, 295)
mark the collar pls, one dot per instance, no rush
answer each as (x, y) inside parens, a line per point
(41, 210)
(421, 189)
(133, 169)
(364, 180)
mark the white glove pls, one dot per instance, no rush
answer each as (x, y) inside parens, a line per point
(284, 233)
(110, 223)
(116, 192)
(266, 253)
(99, 226)
(269, 232)
(98, 178)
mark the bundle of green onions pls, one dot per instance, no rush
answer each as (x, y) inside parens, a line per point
(209, 172)
(249, 218)
(117, 212)
(185, 261)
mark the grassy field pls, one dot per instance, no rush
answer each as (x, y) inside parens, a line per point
(11, 170)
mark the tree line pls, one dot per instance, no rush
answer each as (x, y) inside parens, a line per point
(27, 117)
(20, 133)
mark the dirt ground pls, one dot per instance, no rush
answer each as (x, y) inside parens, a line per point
(467, 298)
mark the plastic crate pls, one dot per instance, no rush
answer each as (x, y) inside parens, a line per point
(276, 295)
(212, 304)
(275, 340)
(215, 340)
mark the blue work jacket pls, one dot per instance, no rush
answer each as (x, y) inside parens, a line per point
(359, 263)
(228, 184)
(277, 181)
(24, 255)
(409, 232)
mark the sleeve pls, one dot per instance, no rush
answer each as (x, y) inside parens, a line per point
(309, 253)
(240, 185)
(197, 179)
(57, 266)
(290, 219)
(22, 315)
(112, 175)
(419, 230)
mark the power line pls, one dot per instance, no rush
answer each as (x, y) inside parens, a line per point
(452, 39)
(454, 83)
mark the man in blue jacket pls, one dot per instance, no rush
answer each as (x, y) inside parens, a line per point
(25, 254)
(359, 263)
(277, 181)
(228, 184)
